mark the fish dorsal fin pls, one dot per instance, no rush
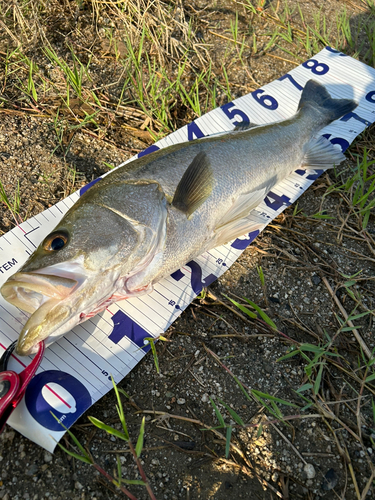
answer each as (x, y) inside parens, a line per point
(245, 126)
(195, 185)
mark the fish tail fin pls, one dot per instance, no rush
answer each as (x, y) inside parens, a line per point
(318, 97)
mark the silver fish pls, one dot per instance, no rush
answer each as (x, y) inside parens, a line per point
(147, 219)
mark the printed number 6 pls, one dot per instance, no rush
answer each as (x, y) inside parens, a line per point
(314, 65)
(266, 101)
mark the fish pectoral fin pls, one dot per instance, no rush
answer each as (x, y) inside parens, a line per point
(321, 154)
(236, 221)
(195, 185)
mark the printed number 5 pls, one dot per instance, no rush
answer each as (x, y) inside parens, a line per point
(232, 113)
(316, 67)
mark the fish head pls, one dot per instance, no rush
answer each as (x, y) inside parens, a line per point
(79, 267)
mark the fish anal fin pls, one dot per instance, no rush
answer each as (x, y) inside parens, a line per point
(195, 185)
(320, 153)
(236, 230)
(242, 206)
(235, 222)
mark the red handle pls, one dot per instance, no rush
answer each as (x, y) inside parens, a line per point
(13, 385)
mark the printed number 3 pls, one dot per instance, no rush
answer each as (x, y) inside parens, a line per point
(316, 67)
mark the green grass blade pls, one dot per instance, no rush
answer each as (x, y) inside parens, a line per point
(304, 387)
(110, 430)
(139, 445)
(75, 455)
(272, 398)
(218, 414)
(234, 415)
(318, 379)
(262, 314)
(120, 410)
(241, 308)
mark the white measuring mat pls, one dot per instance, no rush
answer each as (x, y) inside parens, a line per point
(75, 371)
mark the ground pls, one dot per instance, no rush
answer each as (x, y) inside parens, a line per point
(86, 85)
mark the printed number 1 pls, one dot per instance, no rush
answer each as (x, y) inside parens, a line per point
(347, 117)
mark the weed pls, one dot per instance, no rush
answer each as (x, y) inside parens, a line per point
(86, 457)
(12, 203)
(358, 189)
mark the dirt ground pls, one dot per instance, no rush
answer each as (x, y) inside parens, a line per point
(326, 450)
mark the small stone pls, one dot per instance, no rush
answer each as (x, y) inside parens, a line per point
(330, 480)
(316, 280)
(309, 471)
(33, 469)
(205, 398)
(306, 300)
(78, 485)
(47, 457)
(181, 401)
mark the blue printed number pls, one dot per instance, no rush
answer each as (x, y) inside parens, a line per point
(370, 96)
(316, 67)
(197, 283)
(274, 201)
(334, 51)
(265, 100)
(147, 151)
(343, 143)
(347, 117)
(194, 132)
(292, 81)
(233, 113)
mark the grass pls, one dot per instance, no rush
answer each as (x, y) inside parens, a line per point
(163, 66)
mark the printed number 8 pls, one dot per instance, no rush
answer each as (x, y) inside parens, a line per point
(314, 67)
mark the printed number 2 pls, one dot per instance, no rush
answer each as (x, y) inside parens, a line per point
(316, 67)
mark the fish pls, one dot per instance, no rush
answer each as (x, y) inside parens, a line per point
(148, 218)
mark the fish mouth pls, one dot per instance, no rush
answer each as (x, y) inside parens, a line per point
(44, 297)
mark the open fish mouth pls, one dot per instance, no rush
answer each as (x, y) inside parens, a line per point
(29, 291)
(44, 297)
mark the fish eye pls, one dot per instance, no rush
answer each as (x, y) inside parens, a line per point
(56, 241)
